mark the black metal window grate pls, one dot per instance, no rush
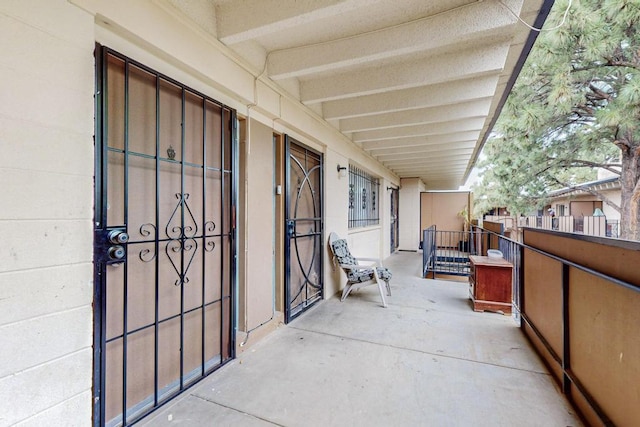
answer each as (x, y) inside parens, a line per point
(364, 198)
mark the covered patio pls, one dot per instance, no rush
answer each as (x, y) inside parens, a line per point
(428, 359)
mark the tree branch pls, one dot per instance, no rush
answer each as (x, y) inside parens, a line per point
(625, 64)
(590, 164)
(600, 94)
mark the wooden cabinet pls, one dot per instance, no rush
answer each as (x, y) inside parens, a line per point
(490, 284)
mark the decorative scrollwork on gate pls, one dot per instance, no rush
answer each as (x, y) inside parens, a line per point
(352, 196)
(180, 247)
(209, 227)
(182, 230)
(146, 230)
(182, 239)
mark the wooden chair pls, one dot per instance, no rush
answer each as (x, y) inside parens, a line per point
(359, 275)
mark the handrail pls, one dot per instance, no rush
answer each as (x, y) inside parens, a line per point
(447, 252)
(428, 249)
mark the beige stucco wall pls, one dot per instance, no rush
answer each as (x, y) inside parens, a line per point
(442, 209)
(47, 168)
(46, 171)
(609, 211)
(336, 219)
(257, 218)
(410, 189)
(365, 242)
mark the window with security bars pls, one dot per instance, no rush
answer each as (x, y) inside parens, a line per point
(364, 194)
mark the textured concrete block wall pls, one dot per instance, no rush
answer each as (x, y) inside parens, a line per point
(410, 213)
(46, 209)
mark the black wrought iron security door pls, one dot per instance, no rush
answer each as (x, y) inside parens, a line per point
(395, 224)
(304, 224)
(164, 238)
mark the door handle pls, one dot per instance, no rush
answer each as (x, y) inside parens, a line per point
(118, 236)
(116, 253)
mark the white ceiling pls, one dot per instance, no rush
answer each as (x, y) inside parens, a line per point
(415, 83)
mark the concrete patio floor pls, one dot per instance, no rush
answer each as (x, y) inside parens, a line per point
(426, 360)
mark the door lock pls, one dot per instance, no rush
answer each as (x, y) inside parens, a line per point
(111, 245)
(116, 253)
(118, 236)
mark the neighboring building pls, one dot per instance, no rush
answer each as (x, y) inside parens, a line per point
(579, 202)
(578, 209)
(502, 211)
(574, 209)
(171, 169)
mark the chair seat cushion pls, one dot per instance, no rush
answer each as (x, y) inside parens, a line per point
(364, 275)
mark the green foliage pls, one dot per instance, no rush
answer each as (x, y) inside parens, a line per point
(576, 99)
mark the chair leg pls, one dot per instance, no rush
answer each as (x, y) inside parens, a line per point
(388, 288)
(381, 289)
(345, 292)
(379, 282)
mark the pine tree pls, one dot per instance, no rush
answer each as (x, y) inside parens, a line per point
(574, 107)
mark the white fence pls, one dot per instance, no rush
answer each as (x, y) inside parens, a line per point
(590, 225)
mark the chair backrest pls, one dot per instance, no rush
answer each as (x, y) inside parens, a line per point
(340, 250)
